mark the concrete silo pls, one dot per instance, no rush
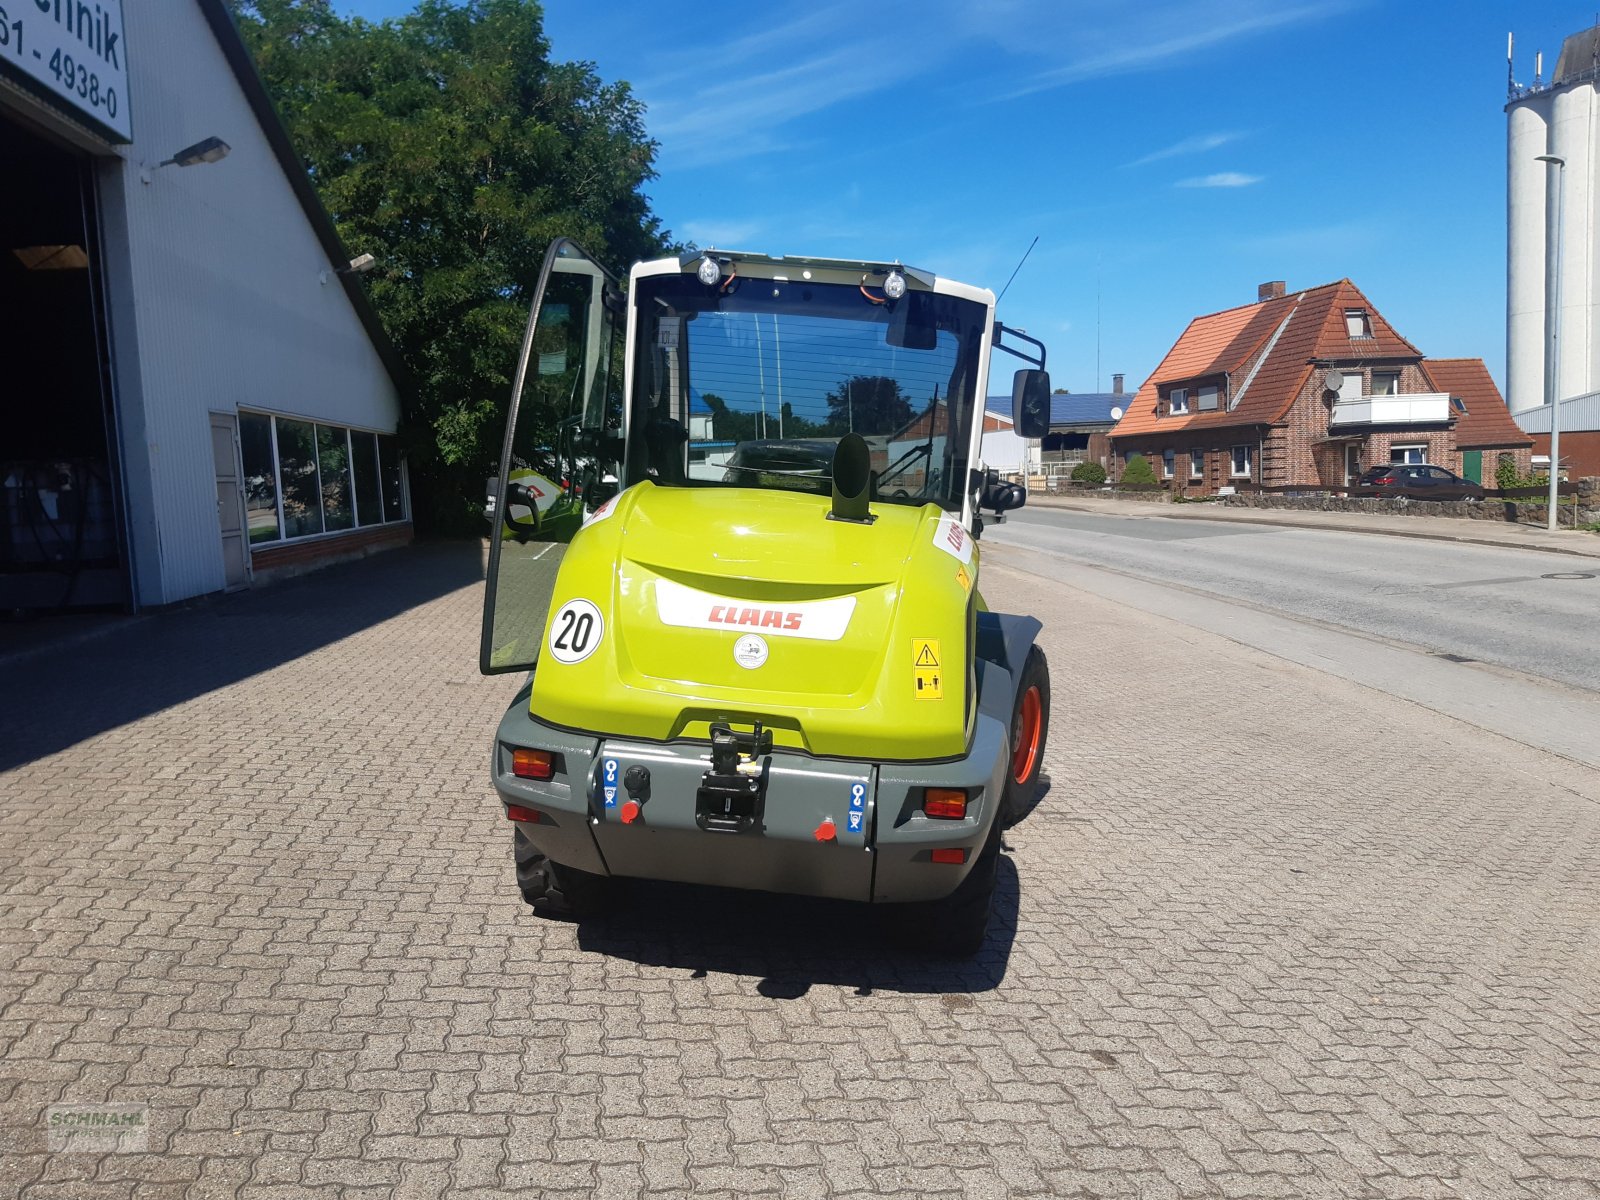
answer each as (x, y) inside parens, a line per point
(1560, 117)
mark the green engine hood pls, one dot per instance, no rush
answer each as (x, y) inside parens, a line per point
(725, 604)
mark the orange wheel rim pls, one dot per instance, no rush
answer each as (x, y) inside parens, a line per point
(1026, 736)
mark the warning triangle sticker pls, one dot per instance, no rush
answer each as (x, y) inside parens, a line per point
(927, 658)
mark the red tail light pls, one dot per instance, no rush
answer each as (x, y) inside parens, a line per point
(949, 804)
(533, 764)
(954, 854)
(515, 812)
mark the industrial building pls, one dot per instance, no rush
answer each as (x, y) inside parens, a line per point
(196, 392)
(1557, 118)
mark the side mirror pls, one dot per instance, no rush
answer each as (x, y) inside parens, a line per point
(520, 496)
(998, 496)
(1030, 402)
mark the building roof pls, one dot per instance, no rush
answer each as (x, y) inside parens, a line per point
(1485, 421)
(1579, 414)
(1267, 350)
(1068, 409)
(273, 129)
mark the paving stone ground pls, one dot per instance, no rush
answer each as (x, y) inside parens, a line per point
(1267, 934)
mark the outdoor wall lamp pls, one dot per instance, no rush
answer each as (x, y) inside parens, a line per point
(358, 264)
(209, 150)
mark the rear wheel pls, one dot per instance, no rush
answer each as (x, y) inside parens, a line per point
(553, 890)
(1030, 725)
(955, 926)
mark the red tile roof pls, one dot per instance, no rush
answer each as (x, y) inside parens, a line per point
(1487, 422)
(1285, 334)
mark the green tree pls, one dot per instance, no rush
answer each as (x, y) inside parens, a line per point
(1138, 470)
(867, 404)
(448, 144)
(1089, 472)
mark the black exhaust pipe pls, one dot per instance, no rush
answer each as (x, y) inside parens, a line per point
(852, 480)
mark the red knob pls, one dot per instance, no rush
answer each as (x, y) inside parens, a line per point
(630, 812)
(826, 832)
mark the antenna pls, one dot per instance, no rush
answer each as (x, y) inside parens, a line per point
(1018, 267)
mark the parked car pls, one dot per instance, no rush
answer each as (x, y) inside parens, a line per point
(1416, 481)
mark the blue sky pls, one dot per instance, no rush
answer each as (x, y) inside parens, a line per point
(1169, 154)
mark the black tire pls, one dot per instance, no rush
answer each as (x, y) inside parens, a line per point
(1017, 799)
(553, 890)
(956, 926)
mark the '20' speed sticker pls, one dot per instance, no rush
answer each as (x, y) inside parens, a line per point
(575, 631)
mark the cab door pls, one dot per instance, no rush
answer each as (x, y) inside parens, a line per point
(559, 456)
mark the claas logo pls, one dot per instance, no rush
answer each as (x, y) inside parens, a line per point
(762, 618)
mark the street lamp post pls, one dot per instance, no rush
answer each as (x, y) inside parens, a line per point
(1552, 355)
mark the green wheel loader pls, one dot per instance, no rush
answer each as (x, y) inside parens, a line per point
(757, 654)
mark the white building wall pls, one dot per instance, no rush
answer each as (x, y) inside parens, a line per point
(1006, 452)
(213, 280)
(1563, 121)
(1527, 135)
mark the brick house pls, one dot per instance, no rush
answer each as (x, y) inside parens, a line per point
(1309, 389)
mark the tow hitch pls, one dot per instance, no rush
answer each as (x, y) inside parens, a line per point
(733, 790)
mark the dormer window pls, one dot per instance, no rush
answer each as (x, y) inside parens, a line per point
(1178, 402)
(1356, 323)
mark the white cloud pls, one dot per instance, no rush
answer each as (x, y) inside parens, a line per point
(719, 101)
(1222, 179)
(1198, 144)
(1127, 46)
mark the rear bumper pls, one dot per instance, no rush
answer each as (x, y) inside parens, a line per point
(877, 845)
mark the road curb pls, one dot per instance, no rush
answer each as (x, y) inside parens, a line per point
(1289, 523)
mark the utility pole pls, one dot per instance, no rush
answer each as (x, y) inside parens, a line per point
(1552, 357)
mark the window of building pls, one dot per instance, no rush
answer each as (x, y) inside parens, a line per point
(302, 478)
(1386, 383)
(1240, 467)
(1206, 398)
(394, 499)
(1197, 464)
(1353, 385)
(333, 469)
(1169, 463)
(1356, 323)
(297, 476)
(364, 458)
(260, 478)
(1409, 454)
(1178, 401)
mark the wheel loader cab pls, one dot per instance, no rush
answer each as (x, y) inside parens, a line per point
(759, 658)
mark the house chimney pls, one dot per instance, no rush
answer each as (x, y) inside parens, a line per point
(1269, 291)
(1116, 385)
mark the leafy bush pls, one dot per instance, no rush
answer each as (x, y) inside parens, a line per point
(1138, 470)
(1089, 472)
(1505, 472)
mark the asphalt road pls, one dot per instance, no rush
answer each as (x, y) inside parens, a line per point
(1516, 609)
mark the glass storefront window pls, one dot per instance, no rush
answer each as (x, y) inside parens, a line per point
(297, 468)
(333, 461)
(394, 501)
(364, 457)
(325, 478)
(260, 480)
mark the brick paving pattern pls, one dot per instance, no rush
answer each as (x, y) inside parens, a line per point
(1266, 934)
